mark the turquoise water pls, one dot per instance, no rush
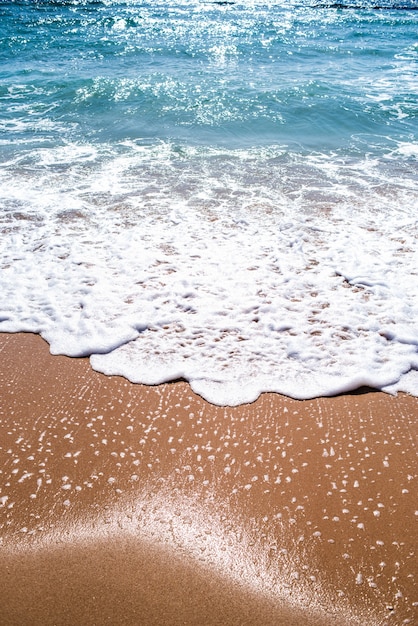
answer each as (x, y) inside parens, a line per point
(225, 192)
(235, 75)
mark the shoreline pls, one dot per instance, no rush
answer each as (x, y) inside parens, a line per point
(120, 499)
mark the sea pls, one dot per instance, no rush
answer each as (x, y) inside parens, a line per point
(224, 192)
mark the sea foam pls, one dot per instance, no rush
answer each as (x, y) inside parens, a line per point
(159, 271)
(224, 193)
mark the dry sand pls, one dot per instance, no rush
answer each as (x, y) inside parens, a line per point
(124, 504)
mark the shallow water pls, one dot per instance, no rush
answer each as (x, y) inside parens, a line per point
(224, 193)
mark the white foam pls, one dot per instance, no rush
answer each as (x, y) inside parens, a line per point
(242, 272)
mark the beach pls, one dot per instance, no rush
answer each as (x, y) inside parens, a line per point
(128, 504)
(208, 313)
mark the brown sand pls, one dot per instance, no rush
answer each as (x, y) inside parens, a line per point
(124, 504)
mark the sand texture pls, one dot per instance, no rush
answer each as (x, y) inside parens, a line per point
(125, 504)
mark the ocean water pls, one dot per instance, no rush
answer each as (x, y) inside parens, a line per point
(225, 192)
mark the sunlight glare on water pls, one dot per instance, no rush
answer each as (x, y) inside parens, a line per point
(224, 193)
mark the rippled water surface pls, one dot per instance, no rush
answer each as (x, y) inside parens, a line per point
(222, 192)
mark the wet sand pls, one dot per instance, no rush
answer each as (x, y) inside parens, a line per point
(124, 504)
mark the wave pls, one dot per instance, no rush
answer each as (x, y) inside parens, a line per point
(224, 196)
(240, 271)
(369, 6)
